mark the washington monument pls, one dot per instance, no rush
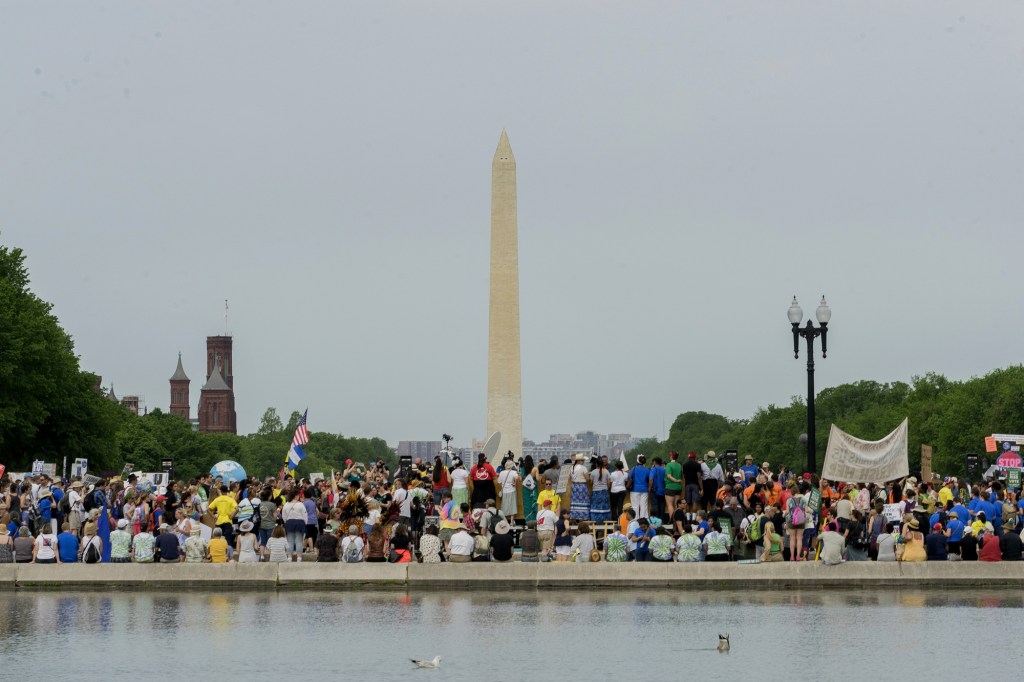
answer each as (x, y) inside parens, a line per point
(504, 394)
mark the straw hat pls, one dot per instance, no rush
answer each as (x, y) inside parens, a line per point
(502, 527)
(913, 525)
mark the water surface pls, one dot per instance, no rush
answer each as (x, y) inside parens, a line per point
(537, 635)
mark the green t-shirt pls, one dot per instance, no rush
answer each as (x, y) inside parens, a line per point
(674, 469)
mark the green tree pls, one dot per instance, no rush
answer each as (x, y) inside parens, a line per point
(773, 435)
(703, 431)
(49, 408)
(270, 423)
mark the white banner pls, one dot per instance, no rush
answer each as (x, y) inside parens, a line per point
(852, 460)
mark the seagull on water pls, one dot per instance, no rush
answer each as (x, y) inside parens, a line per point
(436, 663)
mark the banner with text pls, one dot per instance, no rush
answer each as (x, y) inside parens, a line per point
(852, 460)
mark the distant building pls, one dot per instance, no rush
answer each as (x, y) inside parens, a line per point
(562, 445)
(180, 405)
(132, 402)
(424, 449)
(217, 404)
(217, 396)
(546, 451)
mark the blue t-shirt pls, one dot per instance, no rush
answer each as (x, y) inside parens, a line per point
(12, 529)
(46, 509)
(645, 538)
(751, 472)
(67, 548)
(640, 475)
(703, 526)
(974, 504)
(657, 480)
(962, 512)
(956, 530)
(993, 512)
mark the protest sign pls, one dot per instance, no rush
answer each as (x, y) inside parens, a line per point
(1013, 478)
(814, 500)
(893, 512)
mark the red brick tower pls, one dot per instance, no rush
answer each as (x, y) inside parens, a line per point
(218, 351)
(179, 392)
(217, 404)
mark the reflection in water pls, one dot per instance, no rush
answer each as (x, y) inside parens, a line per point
(108, 629)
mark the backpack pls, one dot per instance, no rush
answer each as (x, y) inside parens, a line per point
(64, 506)
(754, 530)
(492, 523)
(352, 554)
(797, 515)
(34, 518)
(89, 503)
(92, 554)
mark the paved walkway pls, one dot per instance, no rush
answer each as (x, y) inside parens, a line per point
(776, 576)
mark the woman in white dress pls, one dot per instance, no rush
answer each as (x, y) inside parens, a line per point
(507, 482)
(246, 544)
(460, 489)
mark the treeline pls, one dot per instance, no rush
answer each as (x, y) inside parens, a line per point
(954, 417)
(145, 440)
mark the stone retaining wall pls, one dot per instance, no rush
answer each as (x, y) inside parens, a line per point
(802, 575)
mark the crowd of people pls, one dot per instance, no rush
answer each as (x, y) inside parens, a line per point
(687, 508)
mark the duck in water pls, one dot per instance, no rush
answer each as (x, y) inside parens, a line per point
(723, 643)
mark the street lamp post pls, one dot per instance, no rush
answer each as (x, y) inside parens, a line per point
(809, 332)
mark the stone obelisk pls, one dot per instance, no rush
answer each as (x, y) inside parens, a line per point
(504, 393)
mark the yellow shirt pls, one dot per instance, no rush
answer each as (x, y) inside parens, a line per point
(225, 507)
(218, 550)
(945, 495)
(556, 500)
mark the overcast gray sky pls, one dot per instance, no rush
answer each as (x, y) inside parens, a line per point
(684, 170)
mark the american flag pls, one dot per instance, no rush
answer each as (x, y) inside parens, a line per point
(301, 434)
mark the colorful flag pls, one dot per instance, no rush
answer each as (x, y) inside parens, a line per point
(296, 453)
(103, 530)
